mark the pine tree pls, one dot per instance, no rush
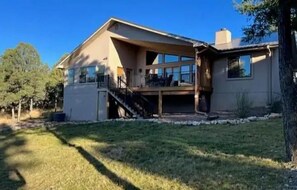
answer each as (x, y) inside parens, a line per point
(268, 16)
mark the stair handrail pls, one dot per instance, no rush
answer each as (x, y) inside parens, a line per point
(128, 89)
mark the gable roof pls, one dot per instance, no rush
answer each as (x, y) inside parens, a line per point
(112, 21)
(235, 45)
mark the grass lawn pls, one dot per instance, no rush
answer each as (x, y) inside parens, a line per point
(138, 155)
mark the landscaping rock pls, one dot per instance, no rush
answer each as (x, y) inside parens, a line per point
(274, 115)
(252, 118)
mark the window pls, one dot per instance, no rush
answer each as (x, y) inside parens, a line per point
(70, 77)
(175, 73)
(153, 58)
(171, 58)
(193, 72)
(87, 74)
(160, 58)
(239, 67)
(91, 74)
(185, 58)
(101, 71)
(185, 73)
(159, 72)
(168, 71)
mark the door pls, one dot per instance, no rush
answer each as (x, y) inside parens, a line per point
(102, 105)
(129, 77)
(120, 72)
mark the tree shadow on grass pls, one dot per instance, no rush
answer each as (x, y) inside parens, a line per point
(194, 167)
(100, 167)
(10, 177)
(193, 156)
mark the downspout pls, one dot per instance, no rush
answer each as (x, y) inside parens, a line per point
(97, 106)
(269, 76)
(198, 63)
(196, 96)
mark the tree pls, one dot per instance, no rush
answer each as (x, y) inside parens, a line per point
(22, 76)
(278, 15)
(39, 77)
(54, 86)
(264, 16)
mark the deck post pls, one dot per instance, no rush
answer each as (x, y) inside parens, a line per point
(197, 80)
(160, 104)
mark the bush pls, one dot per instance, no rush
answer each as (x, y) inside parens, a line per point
(276, 106)
(243, 105)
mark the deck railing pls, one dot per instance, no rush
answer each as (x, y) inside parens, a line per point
(175, 79)
(103, 81)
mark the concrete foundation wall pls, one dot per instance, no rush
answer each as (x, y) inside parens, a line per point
(80, 102)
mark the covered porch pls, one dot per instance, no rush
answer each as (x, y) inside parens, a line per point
(162, 68)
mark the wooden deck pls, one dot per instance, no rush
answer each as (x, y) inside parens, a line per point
(177, 90)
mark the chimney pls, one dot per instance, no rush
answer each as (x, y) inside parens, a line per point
(223, 36)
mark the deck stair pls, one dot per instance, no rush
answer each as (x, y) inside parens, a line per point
(134, 103)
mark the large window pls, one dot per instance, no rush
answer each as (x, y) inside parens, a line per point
(87, 74)
(185, 73)
(176, 73)
(170, 58)
(160, 58)
(154, 58)
(159, 72)
(70, 76)
(239, 67)
(194, 66)
(185, 58)
(168, 71)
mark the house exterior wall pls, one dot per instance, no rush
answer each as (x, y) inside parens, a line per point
(109, 49)
(124, 46)
(275, 77)
(80, 99)
(258, 86)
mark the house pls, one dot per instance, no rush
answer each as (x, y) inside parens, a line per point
(125, 69)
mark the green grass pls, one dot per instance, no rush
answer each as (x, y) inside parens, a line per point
(138, 155)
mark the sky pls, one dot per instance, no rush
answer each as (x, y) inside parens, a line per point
(56, 27)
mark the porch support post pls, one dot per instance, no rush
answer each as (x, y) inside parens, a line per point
(160, 104)
(197, 80)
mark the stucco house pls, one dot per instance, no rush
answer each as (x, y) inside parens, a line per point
(128, 70)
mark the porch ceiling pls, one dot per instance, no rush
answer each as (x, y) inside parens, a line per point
(161, 47)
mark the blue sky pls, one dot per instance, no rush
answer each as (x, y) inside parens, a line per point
(55, 27)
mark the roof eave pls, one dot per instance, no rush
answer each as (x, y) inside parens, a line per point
(250, 48)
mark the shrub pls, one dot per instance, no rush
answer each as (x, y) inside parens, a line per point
(243, 105)
(276, 106)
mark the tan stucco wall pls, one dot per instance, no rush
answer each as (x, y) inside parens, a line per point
(124, 55)
(80, 100)
(275, 76)
(257, 87)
